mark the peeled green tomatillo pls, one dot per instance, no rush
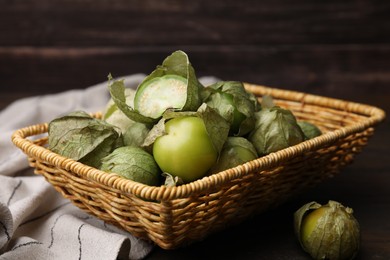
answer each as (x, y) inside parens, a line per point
(327, 232)
(186, 150)
(187, 144)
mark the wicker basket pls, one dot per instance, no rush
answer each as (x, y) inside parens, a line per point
(176, 216)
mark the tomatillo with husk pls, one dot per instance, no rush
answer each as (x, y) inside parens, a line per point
(236, 150)
(233, 103)
(132, 163)
(327, 231)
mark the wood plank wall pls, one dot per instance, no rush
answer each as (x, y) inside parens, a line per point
(331, 48)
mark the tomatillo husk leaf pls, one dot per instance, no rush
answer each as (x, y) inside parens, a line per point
(267, 101)
(300, 214)
(135, 134)
(233, 103)
(329, 231)
(171, 181)
(276, 128)
(217, 127)
(113, 115)
(83, 138)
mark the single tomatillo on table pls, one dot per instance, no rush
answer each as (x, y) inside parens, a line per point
(327, 231)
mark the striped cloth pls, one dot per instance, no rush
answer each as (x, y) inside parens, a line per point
(36, 222)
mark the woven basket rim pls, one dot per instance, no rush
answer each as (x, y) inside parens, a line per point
(164, 193)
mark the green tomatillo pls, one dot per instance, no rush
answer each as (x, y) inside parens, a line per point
(186, 150)
(187, 144)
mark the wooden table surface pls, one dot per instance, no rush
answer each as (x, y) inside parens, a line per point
(330, 48)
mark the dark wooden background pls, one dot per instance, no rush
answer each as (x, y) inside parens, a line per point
(326, 47)
(334, 48)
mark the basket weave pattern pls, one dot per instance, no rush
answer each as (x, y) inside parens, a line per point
(172, 217)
